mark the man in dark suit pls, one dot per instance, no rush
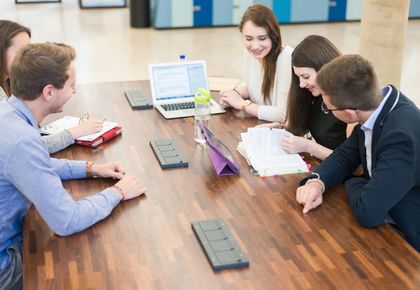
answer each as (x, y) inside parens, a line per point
(386, 142)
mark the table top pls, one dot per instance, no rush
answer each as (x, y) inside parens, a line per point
(148, 242)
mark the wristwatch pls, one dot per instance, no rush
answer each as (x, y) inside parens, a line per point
(245, 104)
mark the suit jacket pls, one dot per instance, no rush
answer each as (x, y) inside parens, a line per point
(394, 187)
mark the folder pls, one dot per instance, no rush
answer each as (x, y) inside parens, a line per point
(101, 139)
(220, 155)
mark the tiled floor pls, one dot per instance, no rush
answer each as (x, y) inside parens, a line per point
(109, 50)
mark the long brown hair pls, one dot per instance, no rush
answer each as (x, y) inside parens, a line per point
(8, 30)
(262, 16)
(313, 52)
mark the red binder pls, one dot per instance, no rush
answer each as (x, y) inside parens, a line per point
(116, 131)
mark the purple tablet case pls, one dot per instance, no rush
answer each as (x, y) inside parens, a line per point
(224, 164)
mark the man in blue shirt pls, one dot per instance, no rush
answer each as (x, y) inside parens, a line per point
(386, 142)
(42, 80)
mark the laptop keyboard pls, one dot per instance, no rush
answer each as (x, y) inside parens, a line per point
(178, 106)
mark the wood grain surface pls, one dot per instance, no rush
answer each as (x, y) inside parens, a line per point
(148, 243)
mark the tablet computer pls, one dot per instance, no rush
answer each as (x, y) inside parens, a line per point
(220, 154)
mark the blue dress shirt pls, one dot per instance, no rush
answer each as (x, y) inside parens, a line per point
(29, 175)
(367, 127)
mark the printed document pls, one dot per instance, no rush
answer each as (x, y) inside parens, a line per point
(262, 148)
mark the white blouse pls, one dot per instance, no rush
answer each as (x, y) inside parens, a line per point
(275, 111)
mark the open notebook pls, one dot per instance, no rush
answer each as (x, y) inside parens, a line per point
(109, 131)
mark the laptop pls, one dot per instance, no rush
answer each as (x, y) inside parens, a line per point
(173, 86)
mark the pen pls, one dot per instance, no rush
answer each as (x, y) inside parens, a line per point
(84, 118)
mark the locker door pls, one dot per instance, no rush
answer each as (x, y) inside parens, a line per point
(239, 7)
(282, 10)
(203, 12)
(182, 13)
(162, 17)
(354, 10)
(337, 10)
(222, 12)
(309, 11)
(268, 3)
(414, 8)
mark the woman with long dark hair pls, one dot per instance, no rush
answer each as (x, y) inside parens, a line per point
(306, 112)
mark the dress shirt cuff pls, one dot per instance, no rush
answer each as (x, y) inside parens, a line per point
(113, 196)
(78, 169)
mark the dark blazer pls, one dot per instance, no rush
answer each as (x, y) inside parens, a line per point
(394, 187)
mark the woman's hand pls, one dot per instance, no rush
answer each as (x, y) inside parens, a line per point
(295, 144)
(90, 126)
(231, 99)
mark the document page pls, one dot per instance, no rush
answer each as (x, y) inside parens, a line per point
(262, 148)
(265, 141)
(69, 122)
(279, 164)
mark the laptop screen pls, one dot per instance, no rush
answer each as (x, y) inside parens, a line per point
(177, 81)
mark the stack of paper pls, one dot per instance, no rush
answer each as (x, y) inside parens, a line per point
(262, 148)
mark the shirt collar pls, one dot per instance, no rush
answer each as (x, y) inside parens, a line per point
(23, 110)
(370, 122)
(2, 94)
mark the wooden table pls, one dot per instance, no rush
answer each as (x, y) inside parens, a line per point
(148, 243)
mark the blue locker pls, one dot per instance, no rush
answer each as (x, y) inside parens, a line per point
(203, 13)
(414, 9)
(162, 18)
(222, 12)
(309, 11)
(337, 10)
(282, 10)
